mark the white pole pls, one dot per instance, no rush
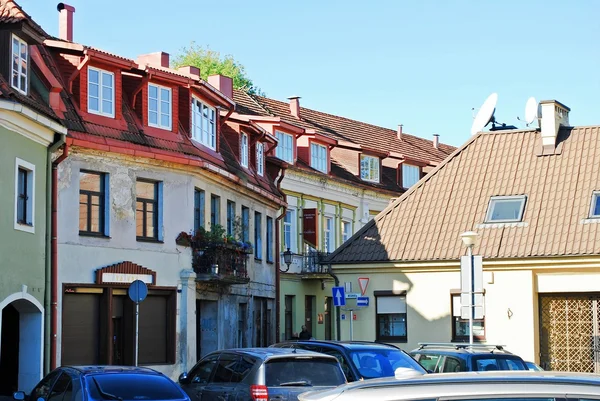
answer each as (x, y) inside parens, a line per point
(137, 334)
(471, 294)
(351, 327)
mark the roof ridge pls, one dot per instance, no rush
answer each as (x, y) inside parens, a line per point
(6, 10)
(253, 100)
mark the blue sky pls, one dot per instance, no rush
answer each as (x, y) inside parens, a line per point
(424, 64)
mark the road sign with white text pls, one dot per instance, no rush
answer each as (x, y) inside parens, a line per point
(339, 296)
(362, 301)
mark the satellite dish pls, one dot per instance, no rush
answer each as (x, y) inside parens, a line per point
(531, 111)
(485, 114)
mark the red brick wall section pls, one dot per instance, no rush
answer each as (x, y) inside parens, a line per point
(125, 268)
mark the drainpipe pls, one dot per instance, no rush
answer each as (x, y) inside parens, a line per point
(54, 257)
(338, 323)
(278, 259)
(47, 298)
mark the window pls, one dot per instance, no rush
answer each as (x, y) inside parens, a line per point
(285, 149)
(289, 230)
(369, 168)
(203, 370)
(595, 209)
(101, 92)
(244, 150)
(391, 316)
(148, 210)
(215, 210)
(24, 196)
(260, 158)
(460, 326)
(410, 175)
(329, 235)
(159, 106)
(245, 224)
(203, 124)
(257, 235)
(224, 371)
(505, 209)
(20, 64)
(270, 242)
(198, 209)
(318, 157)
(230, 216)
(93, 201)
(346, 230)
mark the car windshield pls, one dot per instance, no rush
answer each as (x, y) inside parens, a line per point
(304, 372)
(372, 363)
(129, 386)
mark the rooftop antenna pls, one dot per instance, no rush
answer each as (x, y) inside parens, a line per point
(485, 115)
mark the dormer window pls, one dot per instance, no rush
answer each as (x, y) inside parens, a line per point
(244, 150)
(369, 168)
(20, 65)
(159, 106)
(285, 149)
(506, 209)
(203, 124)
(101, 92)
(595, 209)
(410, 175)
(318, 157)
(260, 158)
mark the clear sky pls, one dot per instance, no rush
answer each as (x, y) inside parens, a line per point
(425, 64)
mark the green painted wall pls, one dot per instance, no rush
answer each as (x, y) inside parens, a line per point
(22, 254)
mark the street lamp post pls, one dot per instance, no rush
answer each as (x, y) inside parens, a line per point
(287, 259)
(469, 238)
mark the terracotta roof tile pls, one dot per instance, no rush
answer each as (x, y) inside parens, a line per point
(425, 223)
(11, 13)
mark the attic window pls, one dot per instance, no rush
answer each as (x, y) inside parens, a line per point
(284, 149)
(410, 175)
(159, 106)
(506, 209)
(203, 124)
(244, 150)
(260, 158)
(318, 157)
(101, 92)
(595, 209)
(369, 168)
(19, 64)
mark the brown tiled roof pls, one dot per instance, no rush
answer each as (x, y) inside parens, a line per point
(426, 222)
(11, 13)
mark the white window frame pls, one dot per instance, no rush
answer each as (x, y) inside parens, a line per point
(346, 235)
(495, 199)
(318, 157)
(595, 201)
(372, 174)
(260, 158)
(411, 174)
(30, 228)
(159, 111)
(204, 129)
(292, 227)
(22, 71)
(244, 150)
(329, 234)
(283, 151)
(101, 99)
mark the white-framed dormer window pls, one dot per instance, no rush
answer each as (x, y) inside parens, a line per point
(318, 157)
(505, 209)
(410, 175)
(244, 150)
(101, 92)
(369, 168)
(595, 208)
(285, 147)
(329, 234)
(260, 158)
(20, 65)
(204, 124)
(159, 106)
(24, 196)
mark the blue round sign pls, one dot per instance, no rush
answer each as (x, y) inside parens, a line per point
(137, 291)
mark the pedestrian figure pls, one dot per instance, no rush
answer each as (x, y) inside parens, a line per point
(305, 334)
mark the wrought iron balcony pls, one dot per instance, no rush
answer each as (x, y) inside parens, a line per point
(309, 265)
(221, 264)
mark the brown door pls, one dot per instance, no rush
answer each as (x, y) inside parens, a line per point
(81, 329)
(328, 312)
(308, 313)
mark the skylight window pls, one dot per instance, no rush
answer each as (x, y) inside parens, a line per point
(506, 209)
(595, 209)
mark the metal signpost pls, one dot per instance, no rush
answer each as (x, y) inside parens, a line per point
(471, 289)
(137, 293)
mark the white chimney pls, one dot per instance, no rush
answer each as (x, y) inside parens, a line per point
(65, 21)
(436, 141)
(554, 114)
(399, 132)
(295, 106)
(156, 59)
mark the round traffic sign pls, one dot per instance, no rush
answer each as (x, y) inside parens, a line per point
(137, 291)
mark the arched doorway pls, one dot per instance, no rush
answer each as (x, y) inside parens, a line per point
(21, 341)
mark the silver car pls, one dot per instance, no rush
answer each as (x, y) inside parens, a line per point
(480, 386)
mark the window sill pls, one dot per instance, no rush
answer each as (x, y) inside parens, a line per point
(91, 234)
(152, 240)
(258, 259)
(28, 228)
(502, 225)
(270, 262)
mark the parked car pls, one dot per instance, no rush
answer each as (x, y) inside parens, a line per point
(360, 359)
(533, 366)
(481, 386)
(259, 374)
(461, 357)
(79, 383)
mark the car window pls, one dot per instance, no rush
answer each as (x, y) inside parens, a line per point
(131, 386)
(313, 371)
(242, 369)
(452, 364)
(482, 364)
(225, 368)
(429, 362)
(43, 388)
(62, 389)
(514, 364)
(343, 363)
(201, 372)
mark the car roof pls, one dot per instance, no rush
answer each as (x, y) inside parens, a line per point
(344, 344)
(461, 348)
(111, 369)
(265, 353)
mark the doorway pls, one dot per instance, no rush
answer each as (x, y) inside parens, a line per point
(9, 358)
(309, 301)
(207, 339)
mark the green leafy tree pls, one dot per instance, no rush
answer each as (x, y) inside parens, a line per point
(211, 62)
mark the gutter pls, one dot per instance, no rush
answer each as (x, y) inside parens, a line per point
(278, 260)
(338, 323)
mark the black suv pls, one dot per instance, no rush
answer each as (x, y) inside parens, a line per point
(462, 357)
(360, 359)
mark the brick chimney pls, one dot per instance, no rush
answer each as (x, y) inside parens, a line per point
(223, 84)
(190, 70)
(65, 21)
(399, 132)
(554, 114)
(436, 141)
(157, 59)
(295, 106)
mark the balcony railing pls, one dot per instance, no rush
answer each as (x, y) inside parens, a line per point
(309, 263)
(221, 263)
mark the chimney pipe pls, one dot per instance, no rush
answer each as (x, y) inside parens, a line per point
(65, 21)
(223, 84)
(399, 134)
(295, 106)
(554, 115)
(157, 59)
(436, 141)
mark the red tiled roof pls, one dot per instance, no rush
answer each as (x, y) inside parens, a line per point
(11, 13)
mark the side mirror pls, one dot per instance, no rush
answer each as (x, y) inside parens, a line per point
(19, 395)
(183, 378)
